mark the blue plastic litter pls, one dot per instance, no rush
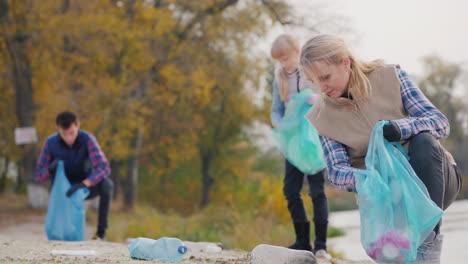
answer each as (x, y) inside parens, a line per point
(164, 249)
(396, 211)
(65, 216)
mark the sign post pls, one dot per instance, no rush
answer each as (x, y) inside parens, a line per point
(25, 135)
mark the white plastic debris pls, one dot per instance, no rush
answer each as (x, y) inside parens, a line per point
(207, 247)
(73, 252)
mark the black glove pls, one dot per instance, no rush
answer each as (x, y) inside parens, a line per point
(53, 167)
(391, 132)
(74, 188)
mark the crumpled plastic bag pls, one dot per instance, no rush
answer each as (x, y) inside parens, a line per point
(297, 139)
(65, 218)
(396, 211)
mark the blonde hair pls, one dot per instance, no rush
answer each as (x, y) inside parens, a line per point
(332, 50)
(283, 45)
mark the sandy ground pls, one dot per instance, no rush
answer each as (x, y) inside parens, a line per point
(26, 243)
(23, 240)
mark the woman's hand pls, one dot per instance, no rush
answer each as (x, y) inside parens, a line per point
(391, 131)
(313, 98)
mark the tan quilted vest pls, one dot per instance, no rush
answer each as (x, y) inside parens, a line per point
(352, 125)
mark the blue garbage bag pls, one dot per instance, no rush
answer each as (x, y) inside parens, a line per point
(396, 211)
(65, 216)
(297, 139)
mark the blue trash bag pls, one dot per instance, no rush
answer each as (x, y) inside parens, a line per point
(297, 139)
(396, 211)
(164, 249)
(65, 216)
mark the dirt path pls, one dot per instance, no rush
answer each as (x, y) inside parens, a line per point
(23, 240)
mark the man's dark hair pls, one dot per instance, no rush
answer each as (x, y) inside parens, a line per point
(66, 119)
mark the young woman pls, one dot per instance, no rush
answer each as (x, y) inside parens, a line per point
(356, 95)
(289, 80)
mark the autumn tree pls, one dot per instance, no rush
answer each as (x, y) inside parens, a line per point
(162, 84)
(438, 83)
(17, 30)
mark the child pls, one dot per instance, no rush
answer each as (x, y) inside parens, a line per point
(289, 80)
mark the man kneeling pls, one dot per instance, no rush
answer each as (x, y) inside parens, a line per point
(85, 164)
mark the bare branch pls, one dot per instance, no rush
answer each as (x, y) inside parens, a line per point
(212, 10)
(276, 15)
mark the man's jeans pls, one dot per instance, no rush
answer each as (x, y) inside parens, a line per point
(104, 189)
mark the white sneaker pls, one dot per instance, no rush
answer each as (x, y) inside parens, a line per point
(429, 251)
(267, 254)
(321, 253)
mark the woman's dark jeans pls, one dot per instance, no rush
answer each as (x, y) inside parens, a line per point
(432, 166)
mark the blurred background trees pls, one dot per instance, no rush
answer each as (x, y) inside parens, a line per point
(438, 83)
(161, 84)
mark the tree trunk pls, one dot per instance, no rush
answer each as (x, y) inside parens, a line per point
(132, 173)
(116, 166)
(26, 168)
(21, 75)
(207, 180)
(4, 174)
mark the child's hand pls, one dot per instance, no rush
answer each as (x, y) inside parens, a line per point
(313, 99)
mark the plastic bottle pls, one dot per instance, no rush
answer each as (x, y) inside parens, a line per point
(163, 249)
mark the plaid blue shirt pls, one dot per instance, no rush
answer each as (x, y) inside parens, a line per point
(423, 117)
(101, 168)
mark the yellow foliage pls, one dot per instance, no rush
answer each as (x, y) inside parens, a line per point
(176, 74)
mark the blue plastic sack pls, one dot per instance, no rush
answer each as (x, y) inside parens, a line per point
(163, 249)
(65, 216)
(396, 211)
(297, 139)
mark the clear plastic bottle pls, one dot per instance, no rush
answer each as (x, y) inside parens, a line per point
(163, 249)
